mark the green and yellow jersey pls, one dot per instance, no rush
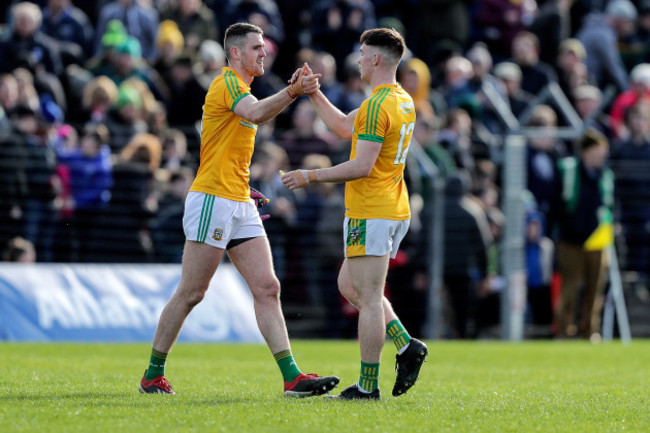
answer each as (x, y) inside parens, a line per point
(227, 140)
(387, 117)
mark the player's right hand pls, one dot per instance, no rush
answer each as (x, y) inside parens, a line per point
(298, 178)
(303, 82)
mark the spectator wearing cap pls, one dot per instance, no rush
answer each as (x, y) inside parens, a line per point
(639, 90)
(599, 34)
(114, 35)
(128, 64)
(582, 210)
(196, 22)
(25, 45)
(69, 26)
(139, 19)
(124, 119)
(170, 44)
(510, 75)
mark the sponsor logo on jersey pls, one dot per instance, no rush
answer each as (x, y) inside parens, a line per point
(407, 107)
(248, 124)
(218, 234)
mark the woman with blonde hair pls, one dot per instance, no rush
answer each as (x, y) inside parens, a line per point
(98, 96)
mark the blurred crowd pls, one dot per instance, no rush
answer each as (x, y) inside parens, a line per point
(100, 120)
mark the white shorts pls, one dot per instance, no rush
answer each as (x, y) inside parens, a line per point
(373, 237)
(216, 220)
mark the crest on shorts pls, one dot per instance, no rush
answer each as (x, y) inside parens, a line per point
(354, 235)
(218, 234)
(356, 232)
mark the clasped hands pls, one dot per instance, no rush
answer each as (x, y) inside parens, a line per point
(303, 82)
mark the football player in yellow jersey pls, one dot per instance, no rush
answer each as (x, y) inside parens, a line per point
(220, 215)
(377, 206)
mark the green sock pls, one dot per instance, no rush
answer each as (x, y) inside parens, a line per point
(397, 332)
(287, 365)
(156, 365)
(369, 377)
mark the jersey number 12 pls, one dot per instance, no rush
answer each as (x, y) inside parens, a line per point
(403, 150)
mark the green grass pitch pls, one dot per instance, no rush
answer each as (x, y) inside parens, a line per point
(464, 387)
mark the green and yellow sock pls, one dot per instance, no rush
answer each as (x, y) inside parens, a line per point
(398, 334)
(369, 377)
(287, 365)
(156, 365)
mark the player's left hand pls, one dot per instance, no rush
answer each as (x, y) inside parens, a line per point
(298, 178)
(260, 200)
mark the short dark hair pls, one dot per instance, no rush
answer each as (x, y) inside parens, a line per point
(235, 35)
(388, 39)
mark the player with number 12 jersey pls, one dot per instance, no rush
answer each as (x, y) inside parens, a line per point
(387, 117)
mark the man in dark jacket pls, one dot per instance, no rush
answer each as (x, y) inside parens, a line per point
(70, 27)
(467, 237)
(582, 211)
(26, 46)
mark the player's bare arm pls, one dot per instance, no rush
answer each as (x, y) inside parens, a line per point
(260, 111)
(360, 166)
(339, 123)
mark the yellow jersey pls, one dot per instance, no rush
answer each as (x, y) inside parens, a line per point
(387, 117)
(227, 140)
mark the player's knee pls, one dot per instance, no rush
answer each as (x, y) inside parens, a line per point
(194, 297)
(269, 288)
